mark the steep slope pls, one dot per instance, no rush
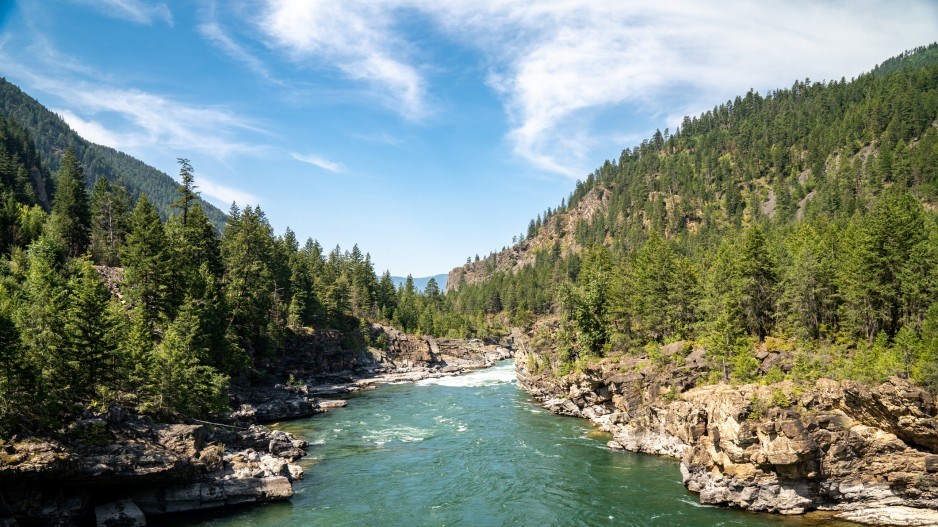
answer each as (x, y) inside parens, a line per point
(52, 135)
(815, 147)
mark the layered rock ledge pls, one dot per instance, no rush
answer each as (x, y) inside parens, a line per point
(868, 453)
(116, 468)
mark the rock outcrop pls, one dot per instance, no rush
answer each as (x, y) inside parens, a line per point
(403, 352)
(559, 230)
(868, 453)
(119, 467)
(266, 404)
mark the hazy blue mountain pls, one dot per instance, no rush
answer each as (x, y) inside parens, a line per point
(421, 283)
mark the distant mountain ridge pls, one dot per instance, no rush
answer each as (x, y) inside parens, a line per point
(421, 283)
(52, 136)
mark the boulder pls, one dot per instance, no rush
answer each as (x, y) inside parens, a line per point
(122, 513)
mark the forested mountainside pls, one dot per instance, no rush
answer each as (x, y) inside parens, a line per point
(51, 136)
(101, 301)
(803, 219)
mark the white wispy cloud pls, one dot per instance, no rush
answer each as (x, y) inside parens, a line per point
(94, 131)
(218, 36)
(224, 195)
(354, 37)
(561, 65)
(571, 60)
(136, 11)
(214, 33)
(318, 161)
(380, 138)
(149, 118)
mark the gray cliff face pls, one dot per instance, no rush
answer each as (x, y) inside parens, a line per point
(867, 452)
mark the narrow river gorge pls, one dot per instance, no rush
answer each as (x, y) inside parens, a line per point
(476, 450)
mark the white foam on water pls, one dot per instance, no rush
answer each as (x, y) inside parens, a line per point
(501, 374)
(399, 434)
(695, 503)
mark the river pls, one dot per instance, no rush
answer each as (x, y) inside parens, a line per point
(475, 450)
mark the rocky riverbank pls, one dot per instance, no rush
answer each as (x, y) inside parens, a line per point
(115, 468)
(401, 358)
(868, 453)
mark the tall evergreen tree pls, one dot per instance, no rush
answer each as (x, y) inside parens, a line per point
(71, 214)
(18, 390)
(186, 190)
(146, 258)
(889, 274)
(110, 214)
(247, 246)
(757, 283)
(39, 319)
(183, 385)
(90, 339)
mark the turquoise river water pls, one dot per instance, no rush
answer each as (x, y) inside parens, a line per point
(475, 450)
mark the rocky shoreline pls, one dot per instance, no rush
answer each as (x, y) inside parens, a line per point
(114, 468)
(866, 453)
(405, 358)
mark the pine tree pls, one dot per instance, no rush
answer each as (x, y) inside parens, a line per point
(191, 245)
(586, 304)
(889, 274)
(757, 283)
(9, 223)
(146, 258)
(183, 385)
(247, 246)
(39, 319)
(71, 214)
(809, 295)
(186, 190)
(110, 215)
(386, 296)
(17, 380)
(90, 340)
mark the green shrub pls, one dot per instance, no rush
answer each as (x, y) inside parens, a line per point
(780, 398)
(757, 407)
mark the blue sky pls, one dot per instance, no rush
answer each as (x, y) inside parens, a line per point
(426, 131)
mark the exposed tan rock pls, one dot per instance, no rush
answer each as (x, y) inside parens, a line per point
(868, 452)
